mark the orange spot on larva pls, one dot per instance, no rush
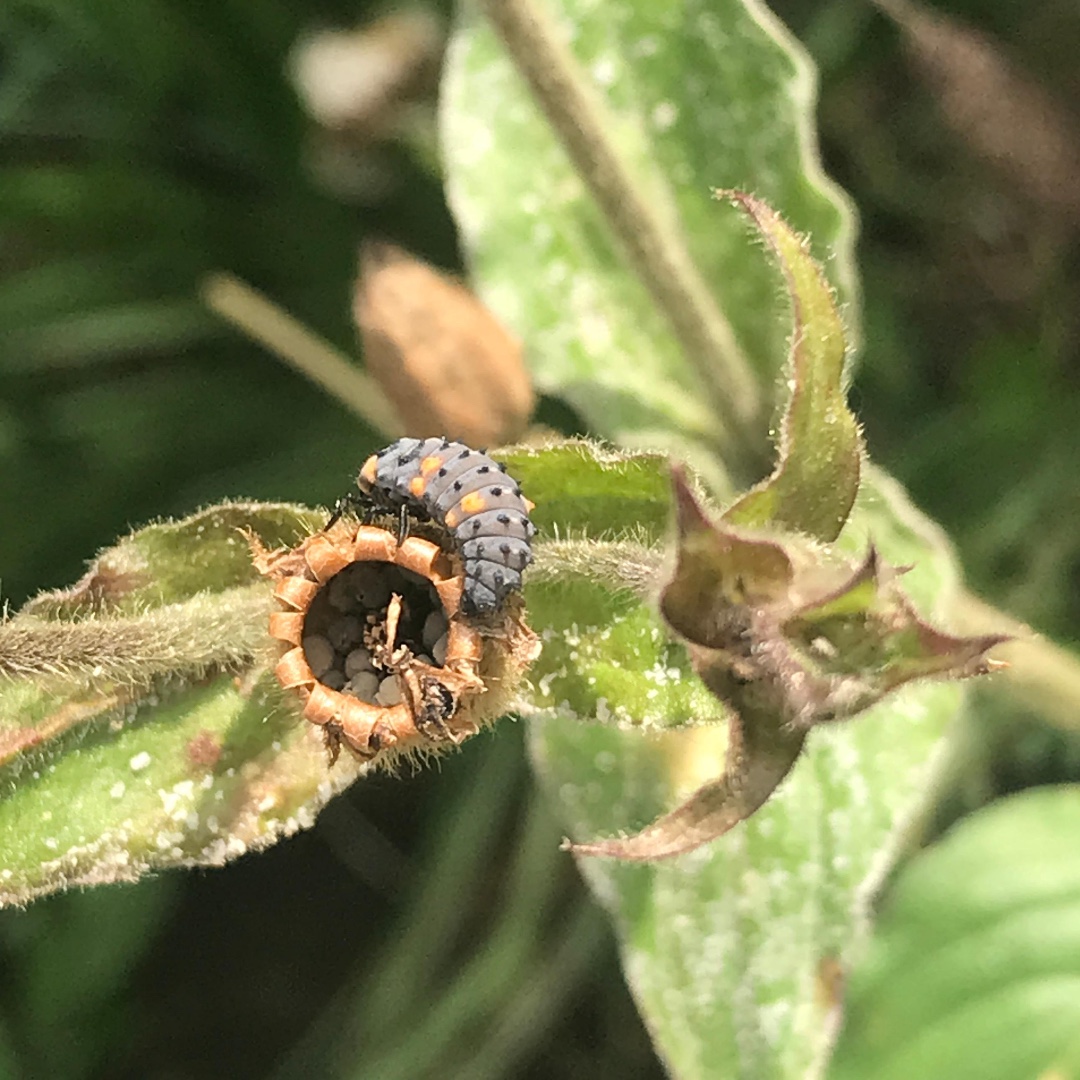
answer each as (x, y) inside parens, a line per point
(431, 464)
(473, 503)
(530, 506)
(367, 472)
(417, 486)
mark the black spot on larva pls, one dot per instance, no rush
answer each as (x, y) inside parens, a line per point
(492, 570)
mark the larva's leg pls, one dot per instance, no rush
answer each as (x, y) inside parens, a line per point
(345, 505)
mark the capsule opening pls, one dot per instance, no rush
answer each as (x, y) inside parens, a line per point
(367, 619)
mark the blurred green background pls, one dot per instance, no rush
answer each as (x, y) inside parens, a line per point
(427, 925)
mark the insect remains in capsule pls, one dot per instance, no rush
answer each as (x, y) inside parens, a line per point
(485, 517)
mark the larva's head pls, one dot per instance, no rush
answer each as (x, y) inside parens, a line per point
(366, 480)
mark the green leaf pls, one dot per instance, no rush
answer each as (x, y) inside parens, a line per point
(820, 450)
(975, 971)
(692, 96)
(139, 727)
(173, 561)
(581, 488)
(723, 947)
(137, 783)
(607, 656)
(107, 332)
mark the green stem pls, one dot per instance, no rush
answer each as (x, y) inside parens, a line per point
(616, 564)
(289, 340)
(210, 631)
(656, 252)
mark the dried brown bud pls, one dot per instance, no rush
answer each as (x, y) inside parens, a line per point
(438, 353)
(361, 80)
(377, 648)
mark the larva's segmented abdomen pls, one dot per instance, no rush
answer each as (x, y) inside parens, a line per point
(471, 497)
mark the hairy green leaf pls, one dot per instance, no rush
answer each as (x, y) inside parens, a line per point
(173, 561)
(142, 781)
(820, 450)
(139, 726)
(727, 948)
(975, 971)
(690, 96)
(724, 947)
(582, 488)
(608, 657)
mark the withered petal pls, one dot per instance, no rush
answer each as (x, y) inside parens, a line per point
(757, 761)
(719, 571)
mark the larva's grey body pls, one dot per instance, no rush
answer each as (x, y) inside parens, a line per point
(470, 496)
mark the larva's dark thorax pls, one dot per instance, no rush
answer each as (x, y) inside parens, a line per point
(470, 496)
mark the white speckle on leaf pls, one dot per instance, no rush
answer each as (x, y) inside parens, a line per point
(544, 684)
(51, 843)
(595, 332)
(118, 789)
(139, 762)
(604, 71)
(267, 802)
(664, 115)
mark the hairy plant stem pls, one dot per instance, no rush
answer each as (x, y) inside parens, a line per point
(618, 565)
(209, 631)
(656, 252)
(263, 321)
